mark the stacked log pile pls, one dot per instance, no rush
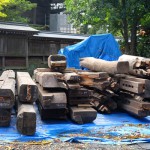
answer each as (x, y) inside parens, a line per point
(132, 93)
(52, 100)
(99, 83)
(138, 66)
(7, 96)
(27, 95)
(79, 99)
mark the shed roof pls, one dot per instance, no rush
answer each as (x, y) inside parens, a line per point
(60, 35)
(16, 27)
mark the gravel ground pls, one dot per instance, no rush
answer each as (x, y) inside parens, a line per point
(57, 145)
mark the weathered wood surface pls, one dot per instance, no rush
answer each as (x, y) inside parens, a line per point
(135, 111)
(71, 77)
(7, 89)
(82, 115)
(26, 119)
(111, 67)
(51, 100)
(5, 117)
(81, 92)
(50, 79)
(98, 80)
(74, 101)
(57, 62)
(137, 65)
(48, 114)
(132, 86)
(27, 89)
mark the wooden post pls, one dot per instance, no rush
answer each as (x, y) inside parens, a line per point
(26, 119)
(7, 89)
(27, 89)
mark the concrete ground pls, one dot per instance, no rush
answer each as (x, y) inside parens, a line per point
(57, 145)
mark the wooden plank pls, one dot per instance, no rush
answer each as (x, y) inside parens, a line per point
(81, 92)
(78, 100)
(82, 115)
(49, 114)
(49, 79)
(26, 119)
(135, 111)
(57, 62)
(131, 86)
(71, 77)
(51, 100)
(7, 89)
(5, 117)
(146, 83)
(27, 89)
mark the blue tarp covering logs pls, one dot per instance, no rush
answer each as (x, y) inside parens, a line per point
(102, 46)
(116, 128)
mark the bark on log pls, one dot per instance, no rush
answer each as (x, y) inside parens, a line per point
(111, 67)
(27, 89)
(51, 100)
(57, 62)
(82, 115)
(26, 119)
(7, 89)
(5, 117)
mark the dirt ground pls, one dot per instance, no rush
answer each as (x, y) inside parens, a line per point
(57, 145)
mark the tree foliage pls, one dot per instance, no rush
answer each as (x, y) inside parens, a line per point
(15, 9)
(117, 16)
(3, 3)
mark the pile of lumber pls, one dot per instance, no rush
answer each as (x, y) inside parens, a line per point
(7, 96)
(27, 95)
(99, 83)
(138, 66)
(134, 95)
(52, 100)
(79, 99)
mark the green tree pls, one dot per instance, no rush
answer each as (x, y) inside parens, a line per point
(15, 9)
(3, 3)
(117, 16)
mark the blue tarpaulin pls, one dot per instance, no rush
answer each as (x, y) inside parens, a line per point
(116, 128)
(102, 46)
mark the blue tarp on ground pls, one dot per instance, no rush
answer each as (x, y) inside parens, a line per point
(102, 46)
(116, 128)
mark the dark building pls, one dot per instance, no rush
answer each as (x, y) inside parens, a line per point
(41, 14)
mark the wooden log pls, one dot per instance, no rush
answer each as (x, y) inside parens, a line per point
(71, 77)
(52, 100)
(48, 114)
(111, 67)
(82, 115)
(5, 117)
(57, 62)
(26, 119)
(7, 89)
(27, 89)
